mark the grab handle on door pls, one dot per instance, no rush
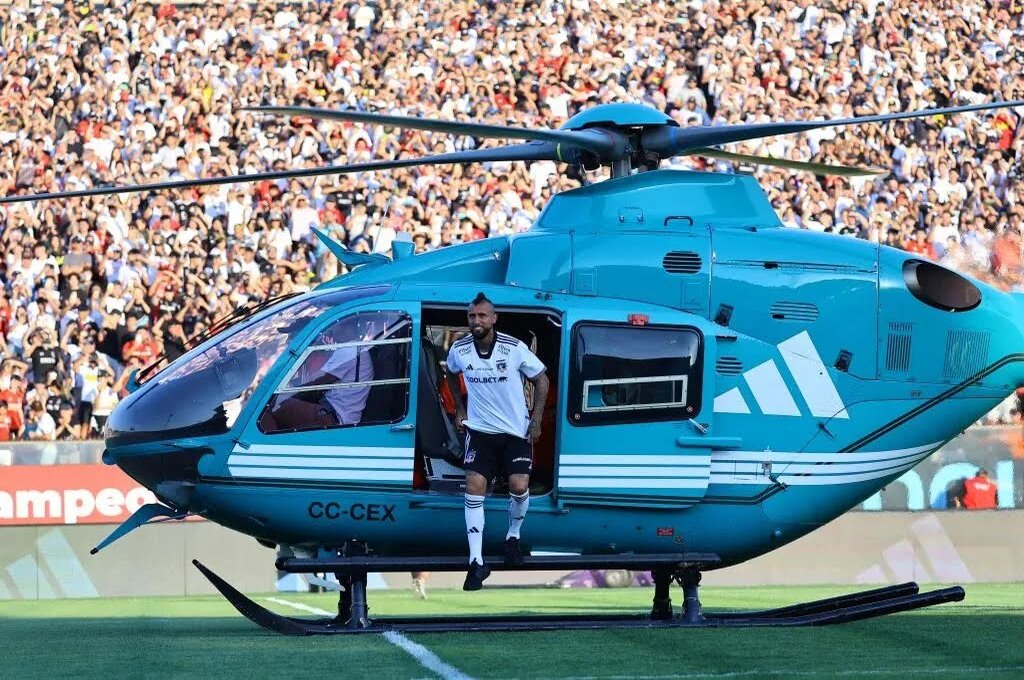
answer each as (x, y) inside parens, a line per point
(713, 443)
(403, 428)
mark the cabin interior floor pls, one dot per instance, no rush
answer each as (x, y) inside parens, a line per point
(438, 446)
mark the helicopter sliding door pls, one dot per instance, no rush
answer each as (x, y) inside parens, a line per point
(635, 431)
(342, 414)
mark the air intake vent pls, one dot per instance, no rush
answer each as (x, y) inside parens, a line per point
(681, 262)
(728, 366)
(897, 348)
(966, 354)
(794, 311)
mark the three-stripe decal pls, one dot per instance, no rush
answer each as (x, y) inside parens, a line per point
(731, 401)
(329, 463)
(812, 377)
(640, 471)
(582, 471)
(773, 396)
(769, 390)
(813, 469)
(680, 471)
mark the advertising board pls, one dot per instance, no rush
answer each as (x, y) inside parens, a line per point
(68, 494)
(931, 484)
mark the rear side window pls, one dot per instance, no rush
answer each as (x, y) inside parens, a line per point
(634, 374)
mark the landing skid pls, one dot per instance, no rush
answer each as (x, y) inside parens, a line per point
(353, 611)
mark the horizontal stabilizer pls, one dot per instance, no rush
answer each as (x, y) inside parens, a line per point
(349, 258)
(139, 517)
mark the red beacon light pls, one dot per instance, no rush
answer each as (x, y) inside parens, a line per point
(638, 319)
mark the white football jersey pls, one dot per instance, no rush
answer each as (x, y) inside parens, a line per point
(494, 386)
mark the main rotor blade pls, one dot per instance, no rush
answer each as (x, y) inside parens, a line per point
(671, 141)
(816, 168)
(534, 151)
(594, 141)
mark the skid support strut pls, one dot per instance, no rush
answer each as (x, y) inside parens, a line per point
(661, 610)
(689, 579)
(360, 609)
(684, 569)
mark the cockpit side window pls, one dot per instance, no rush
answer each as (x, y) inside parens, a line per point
(354, 372)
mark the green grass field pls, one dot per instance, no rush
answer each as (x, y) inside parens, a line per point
(200, 637)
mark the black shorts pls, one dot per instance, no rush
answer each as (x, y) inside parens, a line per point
(84, 414)
(489, 454)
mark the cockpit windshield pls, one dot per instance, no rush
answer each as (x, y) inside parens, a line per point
(238, 316)
(203, 392)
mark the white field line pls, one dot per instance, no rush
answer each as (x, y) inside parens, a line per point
(789, 673)
(301, 607)
(423, 656)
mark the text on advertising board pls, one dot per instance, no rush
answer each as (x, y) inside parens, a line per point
(68, 494)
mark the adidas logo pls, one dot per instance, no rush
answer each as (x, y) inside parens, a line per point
(473, 530)
(25, 578)
(769, 390)
(906, 560)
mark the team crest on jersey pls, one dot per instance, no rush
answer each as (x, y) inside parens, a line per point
(501, 365)
(470, 456)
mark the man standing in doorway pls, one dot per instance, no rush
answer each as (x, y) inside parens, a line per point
(499, 432)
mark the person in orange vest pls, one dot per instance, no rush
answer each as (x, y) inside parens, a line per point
(980, 492)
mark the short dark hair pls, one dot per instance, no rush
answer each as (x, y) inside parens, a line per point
(480, 299)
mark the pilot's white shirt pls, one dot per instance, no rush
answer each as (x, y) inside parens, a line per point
(494, 386)
(348, 402)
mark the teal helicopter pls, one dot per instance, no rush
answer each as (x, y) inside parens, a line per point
(720, 385)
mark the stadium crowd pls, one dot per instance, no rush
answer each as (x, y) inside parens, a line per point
(95, 93)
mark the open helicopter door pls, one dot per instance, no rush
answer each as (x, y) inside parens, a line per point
(638, 416)
(342, 414)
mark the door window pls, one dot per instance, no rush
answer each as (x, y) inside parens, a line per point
(354, 372)
(623, 374)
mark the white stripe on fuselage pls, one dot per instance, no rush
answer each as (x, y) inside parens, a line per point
(822, 457)
(323, 450)
(620, 483)
(811, 479)
(246, 460)
(676, 459)
(322, 474)
(641, 471)
(809, 468)
(770, 391)
(844, 468)
(623, 471)
(811, 377)
(731, 401)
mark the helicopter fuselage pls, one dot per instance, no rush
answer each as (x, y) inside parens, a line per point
(720, 383)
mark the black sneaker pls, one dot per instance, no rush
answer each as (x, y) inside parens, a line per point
(476, 575)
(513, 553)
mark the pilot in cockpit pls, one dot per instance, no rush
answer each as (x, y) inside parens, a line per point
(336, 360)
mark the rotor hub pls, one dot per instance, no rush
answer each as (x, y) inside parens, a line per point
(618, 116)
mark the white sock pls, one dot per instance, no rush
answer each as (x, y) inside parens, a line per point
(475, 527)
(517, 507)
